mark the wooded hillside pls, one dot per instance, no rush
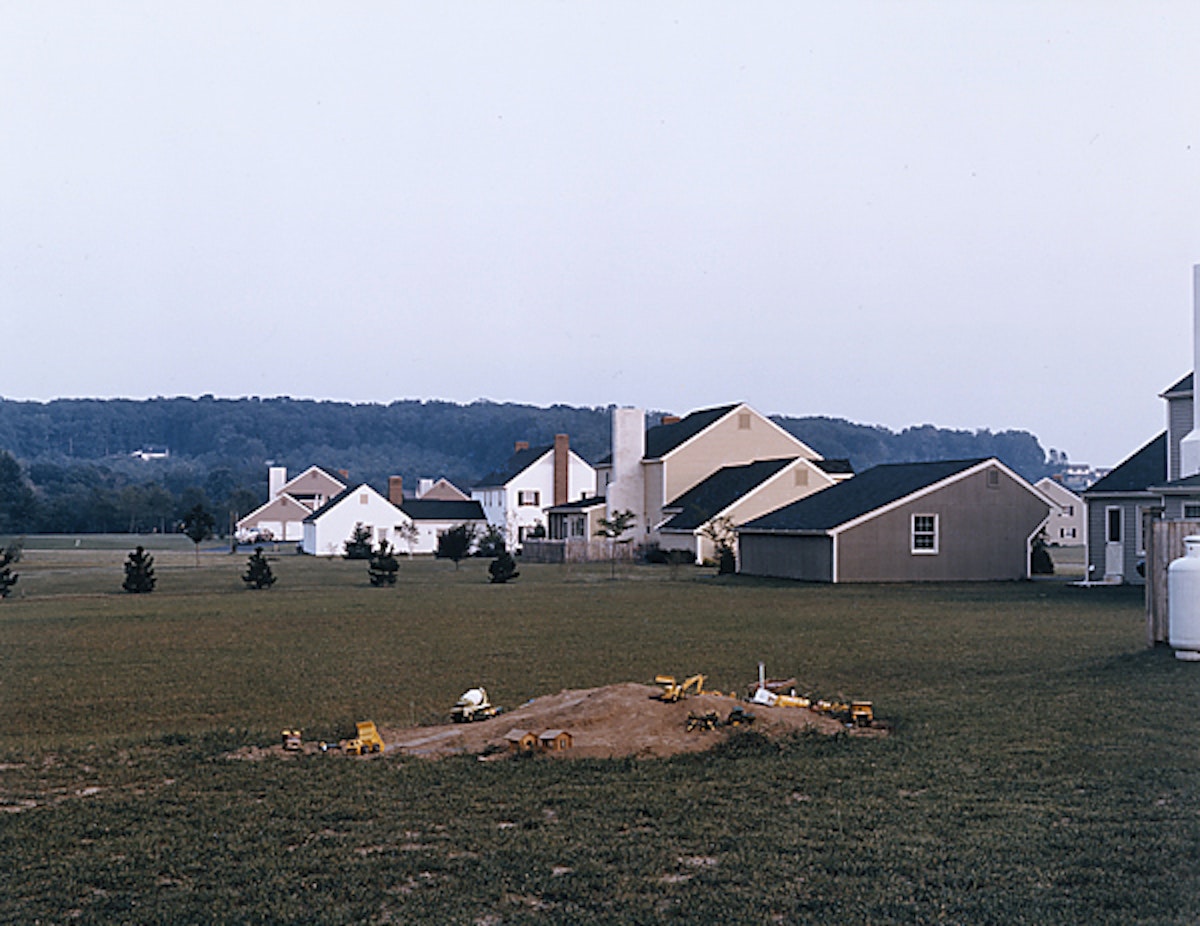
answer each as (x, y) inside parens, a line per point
(77, 471)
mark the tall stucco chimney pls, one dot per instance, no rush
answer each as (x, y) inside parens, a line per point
(562, 448)
(626, 491)
(276, 480)
(1189, 447)
(396, 490)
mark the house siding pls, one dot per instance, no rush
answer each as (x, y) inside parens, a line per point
(1133, 539)
(1179, 425)
(983, 535)
(786, 556)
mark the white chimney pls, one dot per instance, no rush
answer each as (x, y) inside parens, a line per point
(1189, 447)
(276, 480)
(626, 491)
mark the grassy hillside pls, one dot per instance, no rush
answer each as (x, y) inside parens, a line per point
(1043, 766)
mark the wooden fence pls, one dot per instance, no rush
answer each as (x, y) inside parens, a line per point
(1164, 543)
(574, 551)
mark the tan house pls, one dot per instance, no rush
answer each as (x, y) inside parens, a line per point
(1066, 527)
(737, 494)
(290, 501)
(651, 468)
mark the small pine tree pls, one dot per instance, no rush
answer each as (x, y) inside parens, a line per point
(502, 568)
(139, 572)
(258, 571)
(8, 578)
(359, 545)
(383, 567)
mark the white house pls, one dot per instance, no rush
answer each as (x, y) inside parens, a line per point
(327, 529)
(289, 502)
(434, 516)
(1067, 519)
(515, 499)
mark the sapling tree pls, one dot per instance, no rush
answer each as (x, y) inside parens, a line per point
(383, 566)
(198, 524)
(258, 572)
(455, 544)
(723, 534)
(613, 530)
(139, 572)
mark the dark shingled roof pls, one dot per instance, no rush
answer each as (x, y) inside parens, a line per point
(1145, 468)
(517, 463)
(662, 439)
(866, 492)
(702, 502)
(834, 467)
(333, 501)
(1184, 386)
(439, 509)
(580, 504)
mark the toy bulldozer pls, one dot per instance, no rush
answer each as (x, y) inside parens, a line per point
(367, 741)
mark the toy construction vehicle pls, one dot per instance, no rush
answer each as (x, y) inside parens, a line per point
(367, 741)
(473, 705)
(703, 722)
(291, 740)
(739, 717)
(673, 691)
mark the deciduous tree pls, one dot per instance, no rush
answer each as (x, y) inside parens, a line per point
(613, 530)
(198, 525)
(455, 544)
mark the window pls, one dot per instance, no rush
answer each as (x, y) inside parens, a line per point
(993, 478)
(529, 497)
(801, 476)
(743, 421)
(362, 498)
(924, 533)
(1070, 511)
(1191, 511)
(1113, 533)
(577, 526)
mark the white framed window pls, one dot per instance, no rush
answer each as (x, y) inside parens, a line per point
(993, 478)
(529, 497)
(924, 534)
(1191, 510)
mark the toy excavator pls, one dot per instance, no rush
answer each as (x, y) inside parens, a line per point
(674, 691)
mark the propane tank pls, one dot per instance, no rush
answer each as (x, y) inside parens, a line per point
(1183, 598)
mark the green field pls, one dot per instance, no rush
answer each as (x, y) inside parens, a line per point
(1044, 765)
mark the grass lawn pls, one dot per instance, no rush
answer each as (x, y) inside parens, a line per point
(1044, 766)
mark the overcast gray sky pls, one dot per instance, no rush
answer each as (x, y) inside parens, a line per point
(974, 215)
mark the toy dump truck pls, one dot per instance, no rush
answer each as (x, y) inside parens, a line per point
(473, 705)
(367, 741)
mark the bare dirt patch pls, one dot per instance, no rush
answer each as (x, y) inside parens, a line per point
(610, 722)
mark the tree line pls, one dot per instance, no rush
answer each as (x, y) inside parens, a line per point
(68, 466)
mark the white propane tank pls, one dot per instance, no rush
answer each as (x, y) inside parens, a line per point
(1183, 597)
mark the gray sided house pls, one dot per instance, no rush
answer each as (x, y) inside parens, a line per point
(1117, 506)
(948, 521)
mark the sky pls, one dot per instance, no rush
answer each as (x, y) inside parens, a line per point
(967, 214)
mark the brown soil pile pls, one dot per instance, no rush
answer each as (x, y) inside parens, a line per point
(610, 722)
(617, 720)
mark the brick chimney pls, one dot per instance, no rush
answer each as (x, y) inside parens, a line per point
(561, 468)
(396, 490)
(520, 445)
(670, 419)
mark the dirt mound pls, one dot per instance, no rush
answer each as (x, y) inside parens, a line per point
(609, 722)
